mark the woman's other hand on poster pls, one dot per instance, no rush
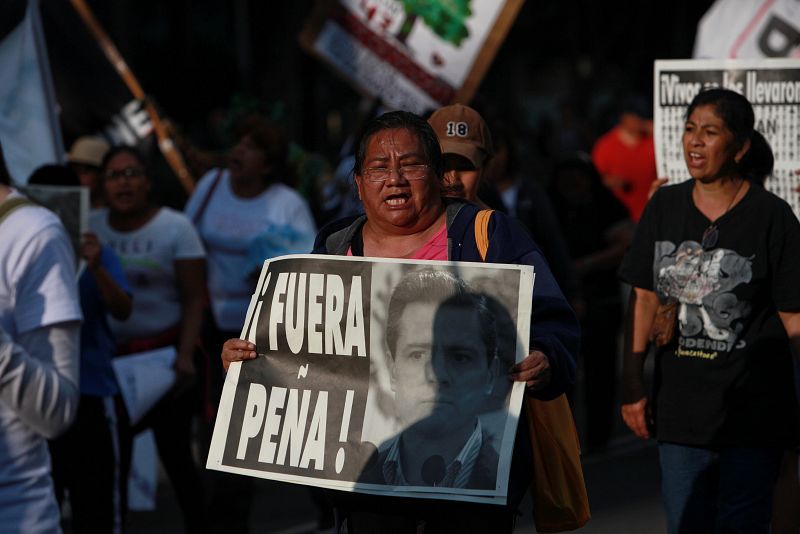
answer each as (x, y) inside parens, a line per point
(237, 350)
(534, 370)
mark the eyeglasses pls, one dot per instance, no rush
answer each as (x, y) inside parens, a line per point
(408, 172)
(127, 172)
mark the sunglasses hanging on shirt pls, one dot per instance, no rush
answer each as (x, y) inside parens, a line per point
(711, 234)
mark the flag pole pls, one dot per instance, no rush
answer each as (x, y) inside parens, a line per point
(165, 142)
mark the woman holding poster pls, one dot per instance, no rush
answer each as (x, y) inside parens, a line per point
(714, 268)
(399, 176)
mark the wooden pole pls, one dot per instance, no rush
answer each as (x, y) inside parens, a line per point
(165, 142)
(491, 45)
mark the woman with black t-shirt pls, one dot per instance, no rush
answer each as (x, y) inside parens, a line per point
(714, 266)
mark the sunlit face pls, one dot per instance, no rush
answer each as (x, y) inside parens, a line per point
(125, 183)
(461, 178)
(248, 160)
(709, 147)
(398, 204)
(440, 373)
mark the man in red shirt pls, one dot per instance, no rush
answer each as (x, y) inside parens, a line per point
(625, 156)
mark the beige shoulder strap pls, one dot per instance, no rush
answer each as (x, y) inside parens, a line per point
(482, 232)
(7, 206)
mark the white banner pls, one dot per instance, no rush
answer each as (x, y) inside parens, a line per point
(379, 376)
(749, 29)
(771, 85)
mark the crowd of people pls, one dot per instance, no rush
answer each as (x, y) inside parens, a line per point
(704, 271)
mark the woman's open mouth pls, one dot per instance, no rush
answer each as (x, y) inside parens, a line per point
(696, 159)
(397, 201)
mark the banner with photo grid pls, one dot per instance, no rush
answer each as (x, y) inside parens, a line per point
(771, 85)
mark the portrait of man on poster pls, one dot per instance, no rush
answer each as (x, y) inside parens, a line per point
(441, 339)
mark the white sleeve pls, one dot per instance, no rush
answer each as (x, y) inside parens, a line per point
(188, 245)
(39, 376)
(47, 288)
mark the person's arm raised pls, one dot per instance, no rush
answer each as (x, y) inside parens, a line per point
(118, 302)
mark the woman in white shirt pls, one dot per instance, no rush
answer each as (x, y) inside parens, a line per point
(245, 214)
(164, 261)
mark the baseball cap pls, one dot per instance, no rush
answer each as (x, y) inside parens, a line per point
(88, 150)
(461, 130)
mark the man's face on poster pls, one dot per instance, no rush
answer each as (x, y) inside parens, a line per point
(441, 372)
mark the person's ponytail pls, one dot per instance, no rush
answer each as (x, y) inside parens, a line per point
(757, 163)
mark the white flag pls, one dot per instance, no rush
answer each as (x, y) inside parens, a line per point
(29, 129)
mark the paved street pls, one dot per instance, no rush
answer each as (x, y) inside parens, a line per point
(622, 484)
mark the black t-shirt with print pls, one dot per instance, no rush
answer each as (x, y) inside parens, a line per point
(727, 379)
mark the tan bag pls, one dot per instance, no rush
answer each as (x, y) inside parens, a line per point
(560, 501)
(665, 324)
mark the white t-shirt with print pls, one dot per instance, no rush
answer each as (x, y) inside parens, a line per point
(37, 288)
(228, 225)
(148, 258)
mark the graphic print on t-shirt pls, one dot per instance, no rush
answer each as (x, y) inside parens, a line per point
(702, 281)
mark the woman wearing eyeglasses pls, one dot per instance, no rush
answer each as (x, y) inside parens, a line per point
(399, 176)
(164, 262)
(714, 267)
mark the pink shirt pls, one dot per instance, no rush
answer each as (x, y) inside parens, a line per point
(434, 249)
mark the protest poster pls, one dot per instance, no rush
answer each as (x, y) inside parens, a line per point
(374, 375)
(414, 56)
(736, 29)
(771, 85)
(71, 204)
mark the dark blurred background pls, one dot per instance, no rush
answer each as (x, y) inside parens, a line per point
(560, 68)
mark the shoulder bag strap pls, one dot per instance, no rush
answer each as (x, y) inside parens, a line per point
(482, 232)
(9, 205)
(202, 209)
